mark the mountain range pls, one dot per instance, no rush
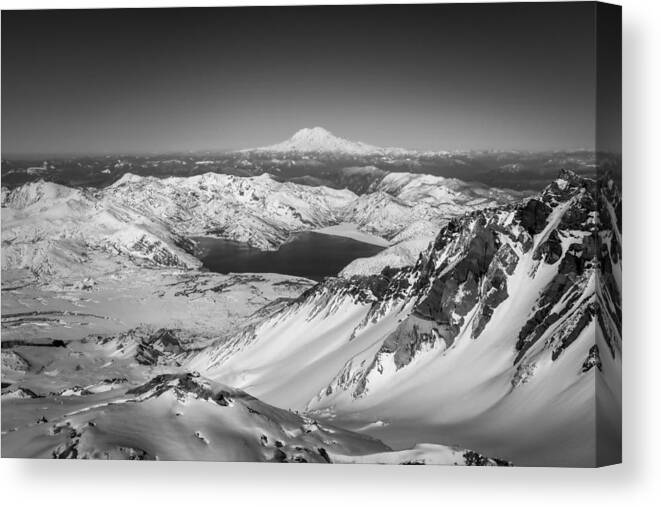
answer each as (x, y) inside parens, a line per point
(510, 311)
(51, 229)
(315, 156)
(488, 331)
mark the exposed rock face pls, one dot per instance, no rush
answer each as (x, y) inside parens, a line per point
(411, 337)
(495, 286)
(152, 347)
(12, 360)
(593, 360)
(569, 283)
(473, 458)
(550, 250)
(476, 256)
(532, 216)
(609, 252)
(466, 271)
(183, 385)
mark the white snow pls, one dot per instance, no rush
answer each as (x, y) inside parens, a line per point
(320, 140)
(349, 230)
(421, 454)
(176, 420)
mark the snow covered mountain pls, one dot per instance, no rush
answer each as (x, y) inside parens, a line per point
(440, 191)
(494, 340)
(52, 229)
(318, 140)
(259, 211)
(409, 209)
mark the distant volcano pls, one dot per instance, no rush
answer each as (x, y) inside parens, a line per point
(320, 140)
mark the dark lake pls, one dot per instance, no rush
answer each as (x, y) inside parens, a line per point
(309, 254)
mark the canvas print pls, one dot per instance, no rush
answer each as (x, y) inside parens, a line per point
(382, 234)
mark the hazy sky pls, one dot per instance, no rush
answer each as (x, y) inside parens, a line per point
(431, 77)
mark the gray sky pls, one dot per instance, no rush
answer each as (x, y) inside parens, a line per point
(501, 76)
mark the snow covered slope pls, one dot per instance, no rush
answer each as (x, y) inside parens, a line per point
(259, 210)
(176, 417)
(439, 191)
(404, 251)
(180, 416)
(494, 340)
(51, 229)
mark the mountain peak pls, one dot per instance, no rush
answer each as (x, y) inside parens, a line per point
(316, 132)
(320, 140)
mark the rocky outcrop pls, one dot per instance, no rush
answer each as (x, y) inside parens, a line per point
(532, 216)
(593, 360)
(473, 458)
(550, 250)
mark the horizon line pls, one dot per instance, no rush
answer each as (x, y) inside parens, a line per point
(235, 151)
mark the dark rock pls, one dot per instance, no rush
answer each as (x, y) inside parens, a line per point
(533, 215)
(495, 292)
(550, 250)
(324, 454)
(592, 360)
(570, 268)
(478, 253)
(409, 338)
(586, 316)
(472, 458)
(576, 217)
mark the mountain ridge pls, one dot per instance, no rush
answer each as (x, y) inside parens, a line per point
(503, 314)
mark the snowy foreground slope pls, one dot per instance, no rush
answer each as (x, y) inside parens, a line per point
(496, 339)
(185, 417)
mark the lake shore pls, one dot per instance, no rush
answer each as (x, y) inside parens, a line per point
(350, 230)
